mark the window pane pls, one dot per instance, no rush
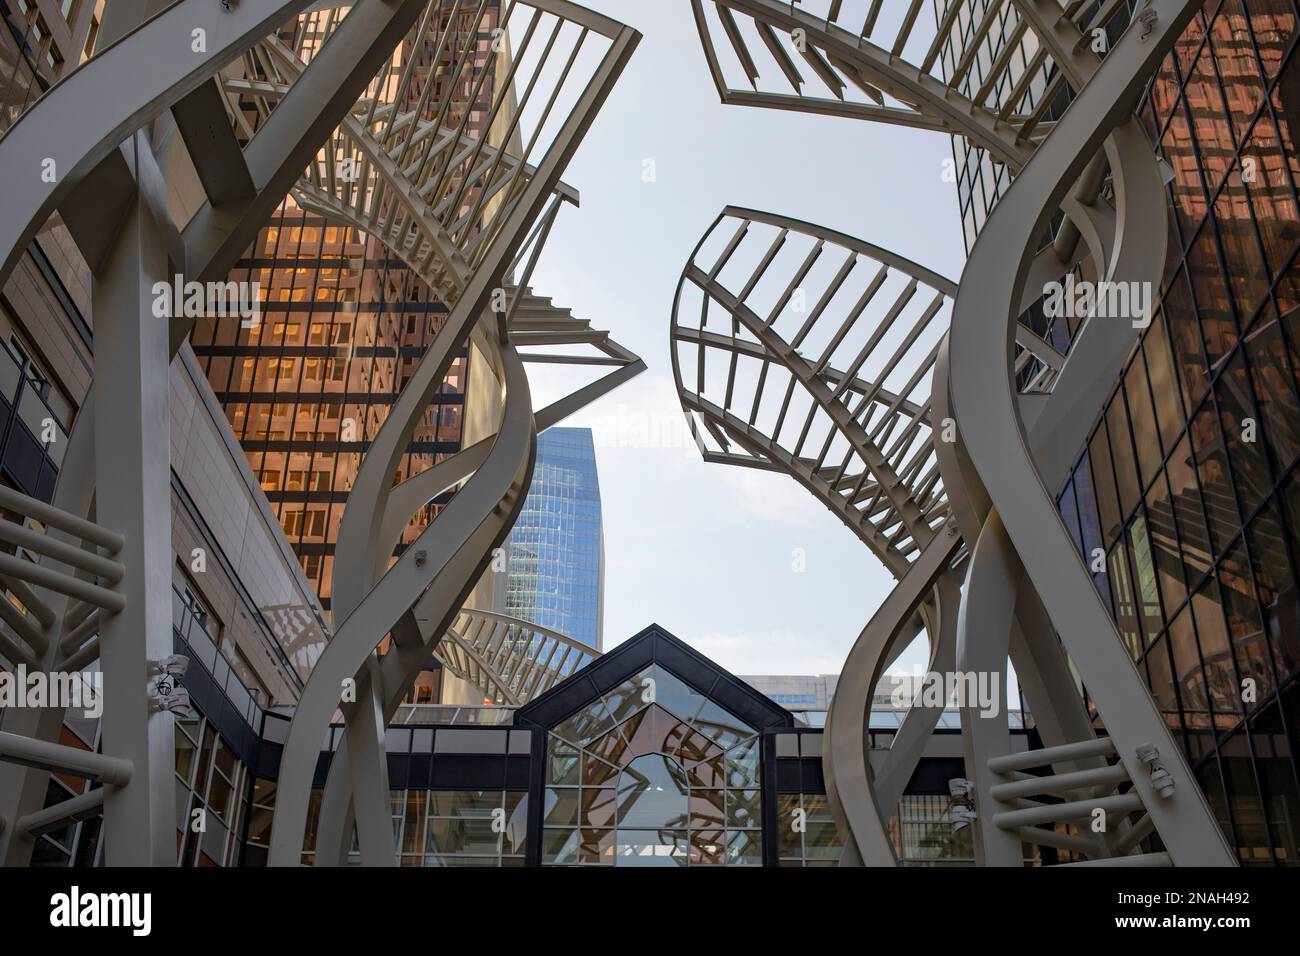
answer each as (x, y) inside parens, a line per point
(1164, 543)
(1104, 482)
(1250, 647)
(1212, 468)
(1275, 764)
(1145, 436)
(1274, 391)
(1240, 421)
(1164, 386)
(1121, 450)
(1216, 656)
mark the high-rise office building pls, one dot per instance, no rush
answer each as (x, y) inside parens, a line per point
(307, 388)
(343, 325)
(555, 555)
(1187, 485)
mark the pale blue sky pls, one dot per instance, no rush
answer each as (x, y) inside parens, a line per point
(706, 550)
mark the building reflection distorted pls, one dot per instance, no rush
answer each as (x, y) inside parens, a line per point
(1188, 484)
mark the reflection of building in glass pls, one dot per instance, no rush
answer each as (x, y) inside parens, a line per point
(1188, 484)
(1002, 65)
(306, 389)
(42, 40)
(555, 554)
(43, 364)
(343, 325)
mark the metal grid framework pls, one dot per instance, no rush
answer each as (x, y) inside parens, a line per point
(802, 350)
(509, 660)
(868, 60)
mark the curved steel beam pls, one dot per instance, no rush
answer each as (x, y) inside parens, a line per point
(918, 723)
(79, 124)
(886, 489)
(984, 396)
(423, 602)
(845, 745)
(458, 547)
(82, 119)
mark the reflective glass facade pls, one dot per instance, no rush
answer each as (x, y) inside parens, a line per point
(556, 556)
(343, 326)
(40, 42)
(307, 389)
(1188, 485)
(997, 70)
(652, 773)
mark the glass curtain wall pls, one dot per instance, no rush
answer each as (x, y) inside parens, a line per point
(1188, 485)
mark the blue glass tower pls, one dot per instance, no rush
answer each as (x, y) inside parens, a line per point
(556, 556)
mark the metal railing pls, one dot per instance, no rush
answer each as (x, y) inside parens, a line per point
(190, 629)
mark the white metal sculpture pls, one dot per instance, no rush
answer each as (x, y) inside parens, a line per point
(418, 597)
(859, 69)
(806, 351)
(470, 218)
(510, 661)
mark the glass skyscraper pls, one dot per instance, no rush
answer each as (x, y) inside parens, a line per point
(1189, 484)
(344, 324)
(555, 554)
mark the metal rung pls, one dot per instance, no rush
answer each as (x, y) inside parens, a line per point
(1064, 812)
(1101, 746)
(1061, 841)
(16, 501)
(57, 758)
(63, 583)
(69, 554)
(16, 652)
(23, 626)
(83, 657)
(78, 612)
(40, 610)
(1061, 782)
(85, 806)
(1140, 830)
(77, 636)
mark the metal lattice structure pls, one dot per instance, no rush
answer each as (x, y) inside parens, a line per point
(801, 350)
(851, 420)
(364, 128)
(261, 118)
(510, 661)
(862, 61)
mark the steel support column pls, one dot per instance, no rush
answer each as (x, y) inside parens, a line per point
(133, 449)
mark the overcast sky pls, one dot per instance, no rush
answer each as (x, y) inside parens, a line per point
(706, 550)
